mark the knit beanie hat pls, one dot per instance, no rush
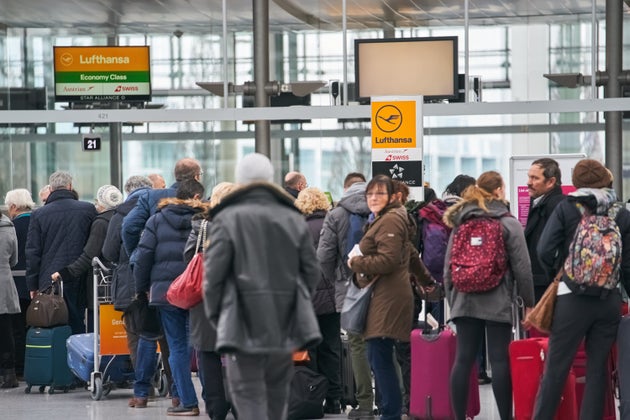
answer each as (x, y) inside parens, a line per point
(108, 197)
(590, 173)
(254, 167)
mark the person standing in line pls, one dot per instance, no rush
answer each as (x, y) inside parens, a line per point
(491, 310)
(260, 260)
(387, 257)
(294, 182)
(159, 261)
(583, 313)
(9, 302)
(325, 358)
(157, 181)
(44, 193)
(20, 205)
(56, 236)
(330, 254)
(545, 192)
(203, 335)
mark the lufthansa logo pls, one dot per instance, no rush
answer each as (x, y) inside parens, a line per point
(66, 59)
(389, 118)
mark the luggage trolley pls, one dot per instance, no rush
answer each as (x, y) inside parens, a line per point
(109, 338)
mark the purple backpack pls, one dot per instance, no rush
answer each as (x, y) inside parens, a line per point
(434, 235)
(478, 257)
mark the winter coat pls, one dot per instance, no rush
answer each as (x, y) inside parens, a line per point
(324, 295)
(260, 267)
(332, 242)
(553, 246)
(21, 222)
(159, 257)
(496, 304)
(56, 237)
(536, 221)
(145, 207)
(388, 257)
(9, 300)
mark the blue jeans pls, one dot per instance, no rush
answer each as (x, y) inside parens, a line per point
(145, 367)
(381, 356)
(175, 324)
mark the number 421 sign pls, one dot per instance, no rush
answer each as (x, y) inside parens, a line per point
(91, 142)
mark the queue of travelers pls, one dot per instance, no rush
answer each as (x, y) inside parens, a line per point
(281, 251)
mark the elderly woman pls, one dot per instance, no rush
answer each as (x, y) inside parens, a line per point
(20, 205)
(9, 302)
(326, 357)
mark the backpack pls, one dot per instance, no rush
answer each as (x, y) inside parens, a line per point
(434, 236)
(478, 257)
(594, 257)
(356, 222)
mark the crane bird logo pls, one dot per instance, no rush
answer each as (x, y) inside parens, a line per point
(389, 118)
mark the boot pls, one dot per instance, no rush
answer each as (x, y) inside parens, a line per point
(9, 379)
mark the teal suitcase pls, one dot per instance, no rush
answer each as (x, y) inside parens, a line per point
(45, 359)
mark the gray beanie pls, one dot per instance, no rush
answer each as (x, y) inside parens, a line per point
(254, 167)
(108, 197)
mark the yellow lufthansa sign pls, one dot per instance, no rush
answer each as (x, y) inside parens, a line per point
(394, 124)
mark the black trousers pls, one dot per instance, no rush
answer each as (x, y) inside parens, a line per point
(7, 345)
(326, 357)
(213, 388)
(578, 317)
(19, 335)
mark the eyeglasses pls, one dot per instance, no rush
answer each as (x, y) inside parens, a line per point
(375, 194)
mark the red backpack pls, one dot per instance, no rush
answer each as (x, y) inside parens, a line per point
(478, 258)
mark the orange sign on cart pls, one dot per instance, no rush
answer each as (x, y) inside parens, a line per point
(112, 332)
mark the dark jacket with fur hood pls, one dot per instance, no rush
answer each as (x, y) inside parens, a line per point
(159, 257)
(260, 267)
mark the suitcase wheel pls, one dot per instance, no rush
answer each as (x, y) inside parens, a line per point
(42, 389)
(27, 390)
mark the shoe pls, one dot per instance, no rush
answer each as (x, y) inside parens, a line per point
(484, 379)
(9, 379)
(182, 411)
(138, 402)
(358, 414)
(332, 406)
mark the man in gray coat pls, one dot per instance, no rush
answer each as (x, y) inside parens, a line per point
(330, 254)
(260, 269)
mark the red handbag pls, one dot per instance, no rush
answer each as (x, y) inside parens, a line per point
(185, 291)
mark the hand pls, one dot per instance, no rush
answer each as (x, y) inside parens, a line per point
(524, 322)
(33, 293)
(350, 262)
(55, 276)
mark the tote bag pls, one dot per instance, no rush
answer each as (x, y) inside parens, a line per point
(355, 308)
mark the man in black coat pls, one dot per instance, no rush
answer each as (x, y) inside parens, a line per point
(56, 237)
(543, 185)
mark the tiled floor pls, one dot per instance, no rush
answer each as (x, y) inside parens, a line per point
(78, 405)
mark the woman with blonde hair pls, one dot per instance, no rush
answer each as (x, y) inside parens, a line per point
(490, 310)
(325, 357)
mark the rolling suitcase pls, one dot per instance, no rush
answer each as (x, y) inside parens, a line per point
(45, 360)
(579, 367)
(527, 361)
(115, 369)
(348, 387)
(432, 357)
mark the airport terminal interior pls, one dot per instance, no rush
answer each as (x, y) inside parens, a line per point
(281, 77)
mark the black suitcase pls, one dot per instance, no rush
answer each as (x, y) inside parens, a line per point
(45, 359)
(348, 387)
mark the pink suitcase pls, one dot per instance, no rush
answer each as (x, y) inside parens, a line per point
(432, 357)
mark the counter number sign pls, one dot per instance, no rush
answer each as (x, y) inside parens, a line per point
(91, 143)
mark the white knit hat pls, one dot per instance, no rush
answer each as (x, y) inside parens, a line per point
(108, 197)
(254, 167)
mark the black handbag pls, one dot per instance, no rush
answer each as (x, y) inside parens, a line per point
(48, 308)
(143, 320)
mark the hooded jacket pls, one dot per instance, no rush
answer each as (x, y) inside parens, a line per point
(496, 304)
(324, 294)
(159, 257)
(9, 300)
(260, 267)
(559, 231)
(388, 258)
(332, 242)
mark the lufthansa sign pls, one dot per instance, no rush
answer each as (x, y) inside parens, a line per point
(394, 124)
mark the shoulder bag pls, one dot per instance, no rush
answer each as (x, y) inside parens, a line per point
(355, 307)
(541, 316)
(185, 291)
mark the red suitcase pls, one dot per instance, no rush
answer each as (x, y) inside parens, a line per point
(579, 367)
(527, 360)
(432, 357)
